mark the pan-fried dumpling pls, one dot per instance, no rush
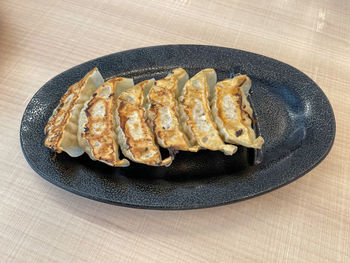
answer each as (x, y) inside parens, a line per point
(97, 130)
(61, 130)
(162, 110)
(135, 137)
(232, 112)
(196, 116)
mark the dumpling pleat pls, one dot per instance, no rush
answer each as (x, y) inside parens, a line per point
(135, 137)
(61, 129)
(232, 112)
(195, 113)
(163, 112)
(97, 128)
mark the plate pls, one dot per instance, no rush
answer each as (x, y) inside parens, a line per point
(295, 119)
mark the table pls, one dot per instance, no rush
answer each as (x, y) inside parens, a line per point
(306, 221)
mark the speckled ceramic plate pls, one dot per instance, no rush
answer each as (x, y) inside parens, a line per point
(295, 119)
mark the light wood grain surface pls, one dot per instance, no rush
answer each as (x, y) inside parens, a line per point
(306, 221)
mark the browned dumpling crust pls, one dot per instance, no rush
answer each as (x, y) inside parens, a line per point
(97, 128)
(61, 129)
(163, 112)
(232, 112)
(195, 113)
(135, 137)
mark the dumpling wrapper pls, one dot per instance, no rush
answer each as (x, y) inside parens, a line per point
(97, 128)
(163, 112)
(232, 112)
(135, 137)
(195, 113)
(61, 129)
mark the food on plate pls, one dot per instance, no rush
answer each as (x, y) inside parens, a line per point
(195, 113)
(232, 112)
(97, 128)
(176, 113)
(135, 137)
(163, 112)
(61, 129)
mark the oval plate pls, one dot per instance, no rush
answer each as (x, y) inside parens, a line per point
(295, 119)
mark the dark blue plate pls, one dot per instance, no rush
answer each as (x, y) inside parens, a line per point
(295, 119)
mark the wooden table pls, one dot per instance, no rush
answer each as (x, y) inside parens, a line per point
(306, 221)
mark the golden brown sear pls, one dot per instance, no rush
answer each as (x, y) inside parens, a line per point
(97, 128)
(233, 113)
(135, 137)
(61, 129)
(163, 112)
(195, 112)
